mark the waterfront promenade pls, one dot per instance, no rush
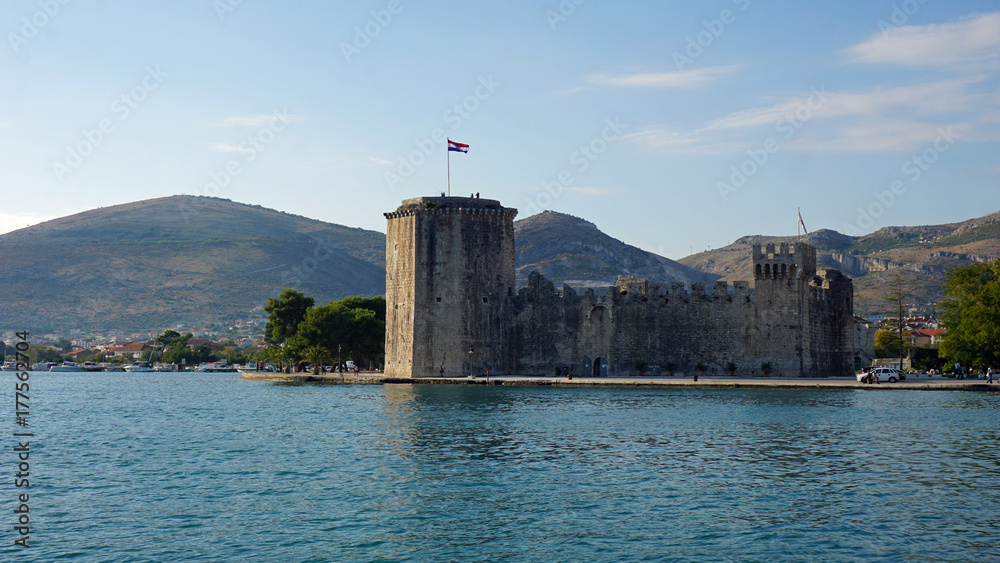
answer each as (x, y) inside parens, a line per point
(923, 382)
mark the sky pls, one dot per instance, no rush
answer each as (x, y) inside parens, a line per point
(673, 126)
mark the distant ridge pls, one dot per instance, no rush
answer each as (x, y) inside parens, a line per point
(920, 255)
(177, 260)
(571, 250)
(194, 260)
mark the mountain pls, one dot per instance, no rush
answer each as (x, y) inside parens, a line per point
(176, 260)
(921, 256)
(567, 249)
(194, 260)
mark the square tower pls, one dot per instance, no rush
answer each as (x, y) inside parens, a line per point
(449, 272)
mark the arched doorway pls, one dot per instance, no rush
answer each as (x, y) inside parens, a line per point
(597, 367)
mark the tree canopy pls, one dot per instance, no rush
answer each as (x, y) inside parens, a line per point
(887, 344)
(354, 325)
(284, 315)
(971, 315)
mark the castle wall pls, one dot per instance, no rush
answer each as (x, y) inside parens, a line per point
(794, 319)
(452, 309)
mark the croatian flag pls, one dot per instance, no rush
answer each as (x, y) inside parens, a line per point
(457, 147)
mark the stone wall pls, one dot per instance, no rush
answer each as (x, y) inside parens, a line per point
(449, 272)
(452, 309)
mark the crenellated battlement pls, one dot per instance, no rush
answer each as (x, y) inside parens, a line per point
(452, 309)
(448, 204)
(787, 261)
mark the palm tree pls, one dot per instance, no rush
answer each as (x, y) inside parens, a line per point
(316, 354)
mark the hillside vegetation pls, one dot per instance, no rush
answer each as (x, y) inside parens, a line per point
(920, 255)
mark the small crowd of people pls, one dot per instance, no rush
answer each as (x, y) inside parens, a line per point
(960, 373)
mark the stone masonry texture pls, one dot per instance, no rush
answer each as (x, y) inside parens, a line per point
(452, 309)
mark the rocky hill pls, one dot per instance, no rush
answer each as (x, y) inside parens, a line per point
(919, 255)
(181, 259)
(194, 260)
(570, 250)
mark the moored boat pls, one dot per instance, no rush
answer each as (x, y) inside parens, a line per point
(66, 366)
(139, 367)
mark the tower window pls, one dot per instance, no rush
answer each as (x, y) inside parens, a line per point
(485, 300)
(438, 299)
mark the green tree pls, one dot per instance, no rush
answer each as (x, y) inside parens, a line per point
(316, 354)
(886, 343)
(284, 315)
(354, 325)
(971, 315)
(896, 299)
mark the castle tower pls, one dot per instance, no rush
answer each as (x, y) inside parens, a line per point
(790, 262)
(449, 270)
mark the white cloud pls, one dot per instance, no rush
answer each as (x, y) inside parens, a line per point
(883, 135)
(684, 79)
(264, 120)
(929, 98)
(226, 147)
(880, 120)
(975, 39)
(586, 191)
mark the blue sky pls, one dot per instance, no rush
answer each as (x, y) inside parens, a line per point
(674, 126)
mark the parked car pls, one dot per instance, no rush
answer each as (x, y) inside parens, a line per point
(877, 375)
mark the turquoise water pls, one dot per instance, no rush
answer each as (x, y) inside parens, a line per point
(206, 467)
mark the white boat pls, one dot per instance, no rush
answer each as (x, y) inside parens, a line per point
(9, 365)
(165, 367)
(43, 366)
(112, 367)
(66, 366)
(253, 367)
(139, 367)
(91, 366)
(213, 367)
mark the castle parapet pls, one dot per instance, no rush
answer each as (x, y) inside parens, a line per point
(787, 262)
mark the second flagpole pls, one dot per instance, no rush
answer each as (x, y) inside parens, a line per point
(448, 151)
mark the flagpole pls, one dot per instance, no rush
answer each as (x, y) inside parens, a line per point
(798, 233)
(448, 150)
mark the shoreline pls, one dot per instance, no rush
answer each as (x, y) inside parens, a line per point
(722, 382)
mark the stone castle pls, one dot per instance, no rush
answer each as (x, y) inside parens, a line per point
(453, 309)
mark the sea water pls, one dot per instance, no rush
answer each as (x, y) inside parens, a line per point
(207, 467)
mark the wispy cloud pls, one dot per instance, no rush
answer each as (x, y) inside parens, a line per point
(683, 79)
(878, 120)
(226, 147)
(380, 161)
(929, 98)
(256, 120)
(975, 39)
(587, 191)
(879, 136)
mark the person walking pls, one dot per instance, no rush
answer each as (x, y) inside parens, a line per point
(989, 374)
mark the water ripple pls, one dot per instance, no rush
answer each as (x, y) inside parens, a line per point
(192, 467)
